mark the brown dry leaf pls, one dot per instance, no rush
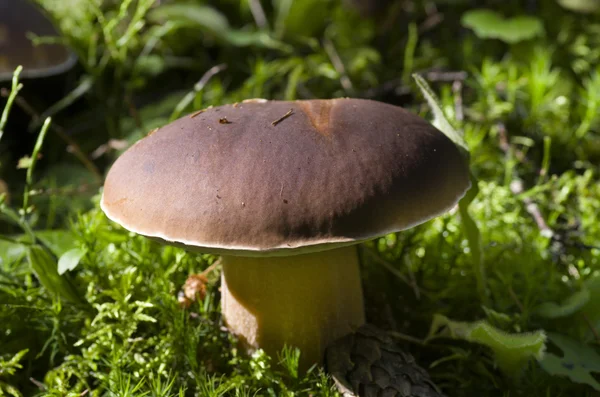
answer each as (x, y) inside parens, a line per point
(193, 289)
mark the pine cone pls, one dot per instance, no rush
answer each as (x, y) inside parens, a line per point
(369, 364)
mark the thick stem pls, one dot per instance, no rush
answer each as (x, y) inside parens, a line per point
(306, 301)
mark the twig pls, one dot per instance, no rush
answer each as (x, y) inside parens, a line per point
(133, 112)
(573, 271)
(303, 92)
(388, 266)
(440, 75)
(591, 326)
(408, 338)
(194, 287)
(73, 147)
(430, 8)
(431, 22)
(393, 14)
(258, 14)
(112, 144)
(413, 280)
(516, 187)
(39, 384)
(285, 116)
(396, 86)
(199, 86)
(65, 191)
(83, 87)
(514, 296)
(390, 316)
(337, 63)
(212, 267)
(197, 113)
(459, 113)
(210, 73)
(506, 148)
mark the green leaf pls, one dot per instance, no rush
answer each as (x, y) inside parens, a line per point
(197, 15)
(440, 121)
(70, 259)
(569, 306)
(10, 251)
(443, 327)
(212, 21)
(240, 38)
(24, 163)
(10, 389)
(592, 307)
(301, 18)
(583, 6)
(488, 24)
(144, 317)
(578, 361)
(150, 65)
(11, 366)
(497, 318)
(473, 235)
(58, 241)
(45, 269)
(511, 351)
(439, 118)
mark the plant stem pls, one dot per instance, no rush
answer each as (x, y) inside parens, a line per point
(11, 97)
(72, 144)
(34, 156)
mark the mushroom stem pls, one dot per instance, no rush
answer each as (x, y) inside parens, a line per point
(306, 301)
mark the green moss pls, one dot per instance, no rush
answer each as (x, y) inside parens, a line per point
(112, 325)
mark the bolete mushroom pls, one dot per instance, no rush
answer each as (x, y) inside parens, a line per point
(283, 191)
(18, 18)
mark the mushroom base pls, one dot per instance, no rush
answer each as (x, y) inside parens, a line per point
(306, 301)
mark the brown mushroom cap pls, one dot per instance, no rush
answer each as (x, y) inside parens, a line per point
(17, 19)
(278, 178)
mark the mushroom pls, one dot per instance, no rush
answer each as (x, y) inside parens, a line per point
(17, 19)
(284, 191)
